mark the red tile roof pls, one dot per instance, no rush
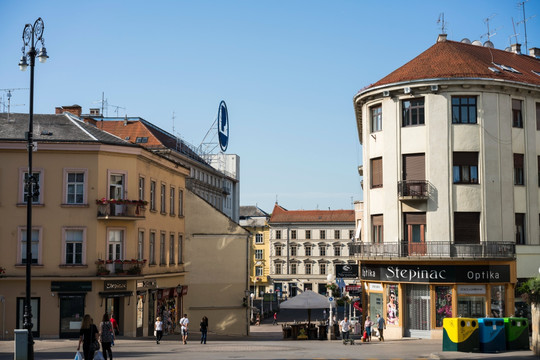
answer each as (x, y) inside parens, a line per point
(281, 215)
(133, 129)
(454, 60)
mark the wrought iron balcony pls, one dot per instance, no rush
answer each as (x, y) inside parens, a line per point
(413, 190)
(434, 250)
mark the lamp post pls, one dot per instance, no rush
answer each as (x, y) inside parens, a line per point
(330, 278)
(32, 34)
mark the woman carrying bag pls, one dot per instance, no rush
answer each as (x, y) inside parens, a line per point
(89, 336)
(106, 335)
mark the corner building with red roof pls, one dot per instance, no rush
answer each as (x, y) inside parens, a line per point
(451, 179)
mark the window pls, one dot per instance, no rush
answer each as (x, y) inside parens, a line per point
(376, 118)
(259, 254)
(308, 268)
(259, 239)
(467, 227)
(337, 234)
(75, 187)
(322, 234)
(293, 268)
(520, 229)
(413, 112)
(162, 197)
(293, 234)
(115, 244)
(278, 234)
(278, 250)
(140, 245)
(258, 271)
(180, 202)
(415, 230)
(141, 188)
(162, 248)
(293, 250)
(376, 173)
(180, 248)
(73, 246)
(465, 169)
(171, 249)
(35, 246)
(308, 234)
(172, 202)
(538, 165)
(519, 178)
(307, 249)
(152, 248)
(153, 195)
(116, 186)
(517, 117)
(277, 267)
(337, 250)
(322, 250)
(351, 234)
(377, 229)
(36, 196)
(141, 140)
(463, 109)
(537, 116)
(322, 268)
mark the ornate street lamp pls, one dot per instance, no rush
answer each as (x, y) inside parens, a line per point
(330, 279)
(32, 34)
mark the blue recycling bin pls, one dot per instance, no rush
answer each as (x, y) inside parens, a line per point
(492, 335)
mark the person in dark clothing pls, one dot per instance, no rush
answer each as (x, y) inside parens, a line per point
(88, 334)
(204, 329)
(106, 335)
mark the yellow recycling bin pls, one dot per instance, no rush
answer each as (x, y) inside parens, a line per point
(461, 334)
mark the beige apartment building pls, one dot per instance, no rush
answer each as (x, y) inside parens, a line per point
(451, 166)
(108, 233)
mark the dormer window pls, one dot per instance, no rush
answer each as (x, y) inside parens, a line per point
(141, 140)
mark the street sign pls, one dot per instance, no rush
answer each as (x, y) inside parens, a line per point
(330, 299)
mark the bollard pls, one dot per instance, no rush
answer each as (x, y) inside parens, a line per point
(20, 345)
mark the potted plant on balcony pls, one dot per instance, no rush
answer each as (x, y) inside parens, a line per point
(103, 207)
(134, 270)
(2, 272)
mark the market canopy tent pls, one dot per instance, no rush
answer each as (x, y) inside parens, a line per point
(307, 300)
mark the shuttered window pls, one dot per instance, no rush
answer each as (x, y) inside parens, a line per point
(376, 173)
(517, 117)
(520, 229)
(414, 167)
(538, 157)
(465, 167)
(377, 229)
(537, 116)
(467, 227)
(415, 218)
(519, 176)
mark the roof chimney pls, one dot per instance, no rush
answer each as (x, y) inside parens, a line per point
(73, 109)
(441, 38)
(516, 48)
(125, 120)
(534, 52)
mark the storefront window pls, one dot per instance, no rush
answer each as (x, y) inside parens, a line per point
(497, 301)
(443, 305)
(471, 306)
(375, 304)
(392, 308)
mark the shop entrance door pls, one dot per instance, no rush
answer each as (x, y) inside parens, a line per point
(71, 315)
(140, 314)
(417, 321)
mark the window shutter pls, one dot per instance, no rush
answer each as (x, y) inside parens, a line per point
(376, 172)
(377, 220)
(415, 218)
(516, 104)
(518, 161)
(465, 158)
(414, 166)
(537, 116)
(466, 227)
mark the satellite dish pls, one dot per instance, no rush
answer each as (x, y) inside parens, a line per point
(466, 41)
(477, 42)
(223, 126)
(489, 44)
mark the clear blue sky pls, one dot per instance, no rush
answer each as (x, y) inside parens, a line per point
(287, 69)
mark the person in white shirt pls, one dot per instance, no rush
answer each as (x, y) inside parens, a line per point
(345, 326)
(159, 329)
(184, 322)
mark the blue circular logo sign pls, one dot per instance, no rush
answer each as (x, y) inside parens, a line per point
(223, 126)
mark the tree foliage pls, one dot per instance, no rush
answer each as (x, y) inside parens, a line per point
(530, 290)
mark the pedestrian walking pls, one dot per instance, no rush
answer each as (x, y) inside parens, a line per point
(106, 334)
(367, 328)
(184, 322)
(275, 319)
(258, 321)
(204, 329)
(115, 326)
(381, 325)
(158, 326)
(345, 327)
(88, 335)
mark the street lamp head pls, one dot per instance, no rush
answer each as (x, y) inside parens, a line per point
(42, 56)
(23, 64)
(330, 277)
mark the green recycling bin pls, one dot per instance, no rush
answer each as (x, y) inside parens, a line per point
(517, 333)
(461, 334)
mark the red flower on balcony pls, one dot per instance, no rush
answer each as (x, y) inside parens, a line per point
(118, 261)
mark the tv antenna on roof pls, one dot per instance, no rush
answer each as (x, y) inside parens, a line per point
(8, 95)
(515, 35)
(489, 34)
(443, 24)
(105, 106)
(524, 22)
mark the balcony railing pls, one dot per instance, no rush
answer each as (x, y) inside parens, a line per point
(434, 249)
(413, 190)
(125, 209)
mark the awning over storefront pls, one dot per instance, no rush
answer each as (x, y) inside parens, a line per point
(115, 294)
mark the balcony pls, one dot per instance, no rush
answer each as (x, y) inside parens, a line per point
(434, 250)
(121, 209)
(413, 190)
(119, 267)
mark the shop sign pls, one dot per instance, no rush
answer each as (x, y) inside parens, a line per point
(115, 285)
(436, 273)
(71, 286)
(147, 284)
(471, 289)
(375, 287)
(347, 271)
(353, 290)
